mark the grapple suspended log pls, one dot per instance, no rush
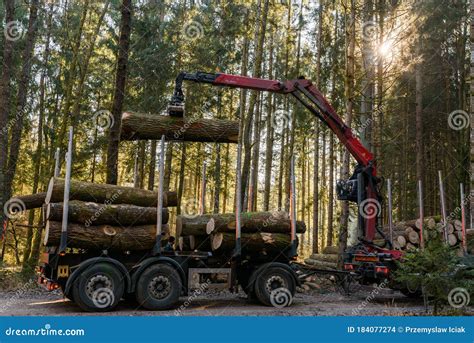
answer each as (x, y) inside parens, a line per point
(137, 126)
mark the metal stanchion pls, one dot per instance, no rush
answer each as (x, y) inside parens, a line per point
(463, 220)
(390, 219)
(293, 252)
(421, 214)
(443, 206)
(161, 167)
(67, 186)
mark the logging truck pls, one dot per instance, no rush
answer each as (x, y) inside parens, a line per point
(96, 279)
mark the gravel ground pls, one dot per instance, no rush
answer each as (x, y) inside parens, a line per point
(366, 302)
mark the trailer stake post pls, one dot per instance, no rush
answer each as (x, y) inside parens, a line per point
(443, 206)
(421, 214)
(463, 220)
(67, 186)
(161, 167)
(293, 251)
(390, 219)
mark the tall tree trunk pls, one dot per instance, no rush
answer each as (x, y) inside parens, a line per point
(315, 243)
(260, 30)
(349, 7)
(119, 91)
(152, 166)
(5, 101)
(23, 84)
(29, 254)
(181, 176)
(419, 116)
(269, 136)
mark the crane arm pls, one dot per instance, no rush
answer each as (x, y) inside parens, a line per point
(309, 96)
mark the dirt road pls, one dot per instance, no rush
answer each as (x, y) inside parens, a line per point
(363, 302)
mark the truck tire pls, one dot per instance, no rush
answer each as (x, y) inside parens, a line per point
(159, 287)
(275, 286)
(98, 288)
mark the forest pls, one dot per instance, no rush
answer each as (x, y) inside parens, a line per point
(396, 71)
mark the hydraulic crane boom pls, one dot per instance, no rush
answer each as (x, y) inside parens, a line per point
(361, 188)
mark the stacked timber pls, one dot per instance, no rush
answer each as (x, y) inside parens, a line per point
(406, 234)
(325, 261)
(102, 216)
(264, 233)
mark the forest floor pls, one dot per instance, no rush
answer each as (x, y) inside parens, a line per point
(366, 301)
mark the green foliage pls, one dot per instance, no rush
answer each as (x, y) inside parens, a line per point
(436, 270)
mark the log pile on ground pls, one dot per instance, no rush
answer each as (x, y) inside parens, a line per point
(263, 233)
(406, 234)
(102, 216)
(325, 261)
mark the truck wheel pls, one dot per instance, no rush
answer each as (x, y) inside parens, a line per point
(275, 286)
(99, 288)
(159, 287)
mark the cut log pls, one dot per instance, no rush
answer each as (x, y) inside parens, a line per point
(413, 237)
(251, 222)
(325, 257)
(90, 213)
(321, 264)
(457, 225)
(331, 250)
(103, 236)
(410, 247)
(251, 242)
(452, 240)
(145, 126)
(402, 241)
(184, 243)
(108, 194)
(31, 201)
(201, 243)
(191, 225)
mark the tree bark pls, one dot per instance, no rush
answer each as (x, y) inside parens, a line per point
(32, 200)
(273, 222)
(103, 236)
(100, 193)
(144, 126)
(119, 92)
(90, 213)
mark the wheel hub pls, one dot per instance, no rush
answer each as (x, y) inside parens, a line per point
(274, 282)
(159, 287)
(97, 282)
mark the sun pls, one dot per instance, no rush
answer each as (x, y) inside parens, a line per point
(385, 48)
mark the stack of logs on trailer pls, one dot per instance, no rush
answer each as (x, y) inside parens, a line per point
(102, 216)
(263, 233)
